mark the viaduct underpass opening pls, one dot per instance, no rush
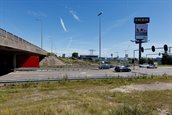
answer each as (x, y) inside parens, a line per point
(6, 63)
(10, 60)
(16, 52)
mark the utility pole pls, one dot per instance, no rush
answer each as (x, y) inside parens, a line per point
(41, 31)
(116, 54)
(91, 51)
(125, 53)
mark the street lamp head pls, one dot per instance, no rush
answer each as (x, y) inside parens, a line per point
(132, 40)
(100, 13)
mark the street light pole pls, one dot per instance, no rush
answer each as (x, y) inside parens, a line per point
(51, 45)
(41, 34)
(116, 54)
(41, 31)
(99, 15)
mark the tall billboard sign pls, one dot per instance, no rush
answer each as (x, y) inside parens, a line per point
(141, 32)
(141, 29)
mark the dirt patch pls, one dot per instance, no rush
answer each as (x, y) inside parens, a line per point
(51, 61)
(143, 87)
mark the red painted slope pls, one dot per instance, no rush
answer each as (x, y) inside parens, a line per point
(28, 61)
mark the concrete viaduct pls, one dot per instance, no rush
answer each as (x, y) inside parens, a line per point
(16, 52)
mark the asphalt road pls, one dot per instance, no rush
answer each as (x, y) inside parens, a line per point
(75, 74)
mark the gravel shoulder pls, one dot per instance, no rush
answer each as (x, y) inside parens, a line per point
(143, 87)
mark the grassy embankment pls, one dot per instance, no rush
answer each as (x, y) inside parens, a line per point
(83, 98)
(77, 63)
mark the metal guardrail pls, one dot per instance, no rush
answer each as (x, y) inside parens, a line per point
(58, 79)
(54, 69)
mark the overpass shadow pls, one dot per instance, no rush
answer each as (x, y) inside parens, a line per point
(4, 71)
(6, 63)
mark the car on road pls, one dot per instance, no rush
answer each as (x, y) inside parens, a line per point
(148, 66)
(143, 65)
(104, 66)
(122, 69)
(151, 67)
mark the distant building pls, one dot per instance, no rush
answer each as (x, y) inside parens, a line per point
(110, 59)
(63, 55)
(126, 55)
(88, 57)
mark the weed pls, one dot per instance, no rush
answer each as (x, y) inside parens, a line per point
(82, 97)
(65, 77)
(129, 110)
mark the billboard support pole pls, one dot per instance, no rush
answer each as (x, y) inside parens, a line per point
(140, 53)
(133, 59)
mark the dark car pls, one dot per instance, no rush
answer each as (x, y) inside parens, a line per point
(111, 66)
(122, 69)
(104, 66)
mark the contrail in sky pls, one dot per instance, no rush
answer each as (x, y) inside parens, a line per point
(63, 25)
(74, 15)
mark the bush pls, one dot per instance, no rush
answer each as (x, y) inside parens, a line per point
(75, 55)
(129, 110)
(166, 59)
(142, 61)
(150, 61)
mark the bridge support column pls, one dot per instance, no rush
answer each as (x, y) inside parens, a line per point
(14, 62)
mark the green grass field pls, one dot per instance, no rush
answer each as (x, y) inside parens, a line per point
(88, 97)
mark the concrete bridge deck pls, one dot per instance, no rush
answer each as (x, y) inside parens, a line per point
(10, 42)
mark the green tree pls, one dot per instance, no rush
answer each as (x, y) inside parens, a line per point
(75, 55)
(142, 61)
(166, 59)
(150, 61)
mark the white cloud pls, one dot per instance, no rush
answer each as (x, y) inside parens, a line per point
(63, 25)
(74, 15)
(37, 14)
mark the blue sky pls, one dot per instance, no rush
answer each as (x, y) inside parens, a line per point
(72, 25)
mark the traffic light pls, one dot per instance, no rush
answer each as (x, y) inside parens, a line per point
(165, 47)
(153, 48)
(142, 49)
